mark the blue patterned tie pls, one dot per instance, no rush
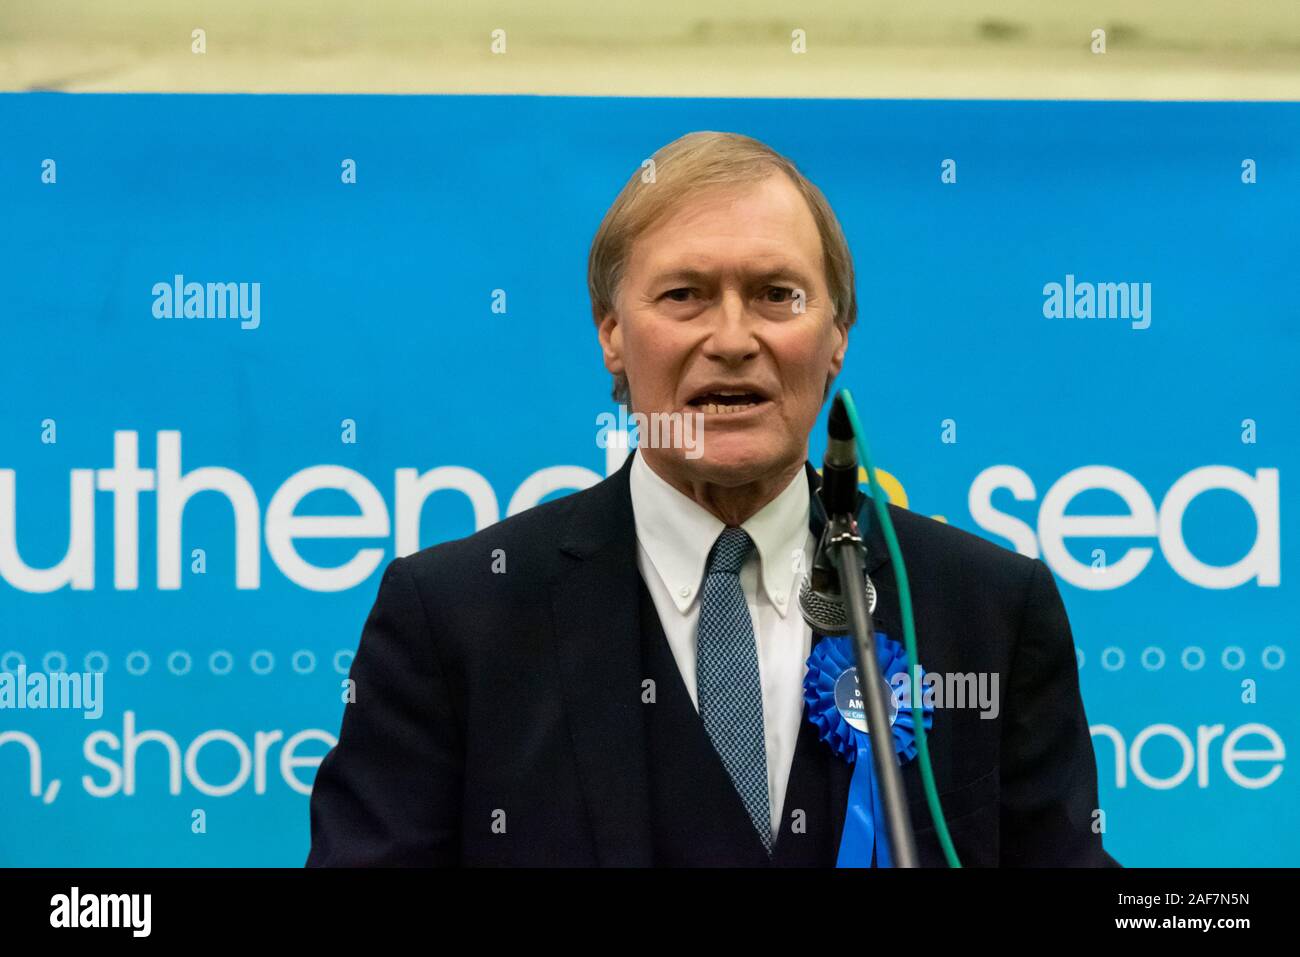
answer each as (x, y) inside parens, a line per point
(727, 682)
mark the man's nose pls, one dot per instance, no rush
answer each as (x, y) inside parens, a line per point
(732, 334)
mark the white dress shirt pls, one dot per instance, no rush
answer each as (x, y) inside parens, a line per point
(674, 537)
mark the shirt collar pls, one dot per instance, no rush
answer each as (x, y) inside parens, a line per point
(677, 534)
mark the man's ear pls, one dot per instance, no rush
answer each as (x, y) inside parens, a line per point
(610, 332)
(837, 357)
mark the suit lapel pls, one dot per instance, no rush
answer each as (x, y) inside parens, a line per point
(599, 654)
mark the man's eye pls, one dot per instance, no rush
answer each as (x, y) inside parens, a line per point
(679, 295)
(778, 294)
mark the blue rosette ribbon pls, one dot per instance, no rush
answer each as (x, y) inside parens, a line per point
(830, 689)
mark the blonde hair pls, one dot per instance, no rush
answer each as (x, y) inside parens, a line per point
(682, 169)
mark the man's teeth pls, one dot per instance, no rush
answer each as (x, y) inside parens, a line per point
(717, 408)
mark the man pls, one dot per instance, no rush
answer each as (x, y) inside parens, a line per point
(629, 690)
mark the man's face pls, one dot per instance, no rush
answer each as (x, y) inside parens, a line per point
(706, 322)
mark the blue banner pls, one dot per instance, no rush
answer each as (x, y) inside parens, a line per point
(255, 346)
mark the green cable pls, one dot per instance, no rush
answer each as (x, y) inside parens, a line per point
(909, 631)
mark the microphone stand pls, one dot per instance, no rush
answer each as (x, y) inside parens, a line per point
(847, 552)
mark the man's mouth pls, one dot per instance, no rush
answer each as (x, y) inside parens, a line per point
(726, 401)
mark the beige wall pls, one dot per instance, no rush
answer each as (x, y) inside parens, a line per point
(1160, 49)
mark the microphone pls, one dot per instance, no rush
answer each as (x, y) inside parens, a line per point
(821, 600)
(839, 491)
(833, 610)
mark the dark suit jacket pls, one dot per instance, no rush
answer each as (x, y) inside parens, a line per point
(499, 715)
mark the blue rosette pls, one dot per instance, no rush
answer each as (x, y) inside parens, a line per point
(835, 708)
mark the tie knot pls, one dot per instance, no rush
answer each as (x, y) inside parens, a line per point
(730, 551)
